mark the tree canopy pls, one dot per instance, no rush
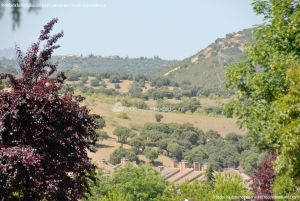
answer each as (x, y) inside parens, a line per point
(44, 132)
(267, 83)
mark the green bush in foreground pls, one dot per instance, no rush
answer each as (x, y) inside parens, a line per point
(132, 183)
(283, 186)
(143, 183)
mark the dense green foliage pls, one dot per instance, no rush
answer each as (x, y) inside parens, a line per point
(226, 187)
(267, 83)
(143, 183)
(284, 186)
(118, 154)
(189, 143)
(97, 64)
(135, 183)
(123, 134)
(151, 153)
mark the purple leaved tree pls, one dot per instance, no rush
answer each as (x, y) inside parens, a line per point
(263, 179)
(44, 132)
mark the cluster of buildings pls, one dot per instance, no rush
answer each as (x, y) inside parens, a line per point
(178, 172)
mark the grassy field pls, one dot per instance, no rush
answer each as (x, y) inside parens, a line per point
(109, 108)
(137, 118)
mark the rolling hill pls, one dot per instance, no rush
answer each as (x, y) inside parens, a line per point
(99, 64)
(206, 69)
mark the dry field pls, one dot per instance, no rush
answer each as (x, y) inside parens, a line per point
(124, 85)
(108, 108)
(137, 118)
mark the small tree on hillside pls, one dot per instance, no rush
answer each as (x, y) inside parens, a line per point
(44, 132)
(102, 135)
(95, 83)
(158, 117)
(123, 134)
(151, 154)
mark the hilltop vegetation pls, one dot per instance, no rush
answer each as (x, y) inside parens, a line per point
(206, 69)
(98, 64)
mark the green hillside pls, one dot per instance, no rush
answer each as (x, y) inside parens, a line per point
(206, 69)
(99, 64)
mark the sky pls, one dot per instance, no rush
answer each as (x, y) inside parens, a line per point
(170, 29)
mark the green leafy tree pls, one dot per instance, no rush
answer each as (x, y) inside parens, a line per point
(227, 185)
(175, 150)
(99, 187)
(138, 144)
(139, 183)
(151, 154)
(115, 196)
(283, 186)
(250, 160)
(102, 135)
(118, 154)
(123, 134)
(194, 191)
(267, 83)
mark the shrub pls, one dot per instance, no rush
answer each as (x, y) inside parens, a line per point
(227, 185)
(123, 115)
(135, 91)
(95, 83)
(188, 191)
(158, 117)
(283, 186)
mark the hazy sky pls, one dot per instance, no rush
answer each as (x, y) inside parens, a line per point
(171, 29)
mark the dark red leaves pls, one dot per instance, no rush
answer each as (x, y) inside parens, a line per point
(44, 134)
(263, 179)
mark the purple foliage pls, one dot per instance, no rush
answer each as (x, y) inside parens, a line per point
(44, 133)
(263, 179)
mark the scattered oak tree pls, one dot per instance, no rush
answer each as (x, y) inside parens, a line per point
(44, 132)
(151, 154)
(102, 135)
(123, 134)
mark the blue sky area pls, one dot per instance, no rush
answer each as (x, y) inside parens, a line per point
(170, 29)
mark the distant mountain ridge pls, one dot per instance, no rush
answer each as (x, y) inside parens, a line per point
(206, 69)
(100, 64)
